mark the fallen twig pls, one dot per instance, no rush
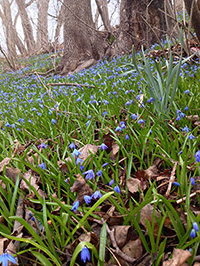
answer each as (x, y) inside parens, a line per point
(71, 84)
(117, 249)
(191, 196)
(171, 180)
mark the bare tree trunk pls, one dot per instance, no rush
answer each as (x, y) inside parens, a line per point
(42, 25)
(10, 34)
(26, 25)
(81, 40)
(96, 19)
(193, 10)
(141, 23)
(102, 6)
(60, 22)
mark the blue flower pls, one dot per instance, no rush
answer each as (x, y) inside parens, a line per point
(193, 233)
(191, 136)
(111, 182)
(30, 214)
(141, 121)
(186, 91)
(21, 120)
(53, 121)
(176, 184)
(127, 137)
(75, 206)
(79, 160)
(87, 123)
(118, 128)
(5, 258)
(197, 156)
(76, 153)
(99, 173)
(42, 165)
(85, 254)
(105, 113)
(192, 181)
(186, 129)
(195, 226)
(96, 195)
(123, 126)
(87, 199)
(180, 152)
(181, 114)
(103, 146)
(150, 100)
(89, 174)
(81, 167)
(42, 145)
(72, 145)
(186, 108)
(117, 189)
(7, 124)
(134, 116)
(104, 165)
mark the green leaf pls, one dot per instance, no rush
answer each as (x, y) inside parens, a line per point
(93, 208)
(29, 241)
(41, 258)
(102, 247)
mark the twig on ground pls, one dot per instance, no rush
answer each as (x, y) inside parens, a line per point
(191, 196)
(71, 84)
(117, 249)
(171, 180)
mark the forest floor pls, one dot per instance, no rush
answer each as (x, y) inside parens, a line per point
(101, 167)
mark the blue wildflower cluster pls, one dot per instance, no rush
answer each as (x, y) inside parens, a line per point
(194, 230)
(197, 156)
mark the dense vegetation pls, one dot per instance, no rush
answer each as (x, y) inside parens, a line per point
(140, 174)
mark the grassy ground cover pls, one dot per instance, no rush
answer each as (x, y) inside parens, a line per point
(90, 169)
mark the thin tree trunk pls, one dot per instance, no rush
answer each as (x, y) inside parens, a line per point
(26, 25)
(10, 35)
(102, 6)
(60, 22)
(42, 25)
(194, 13)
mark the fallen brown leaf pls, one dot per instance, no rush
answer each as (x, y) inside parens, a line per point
(134, 184)
(2, 245)
(82, 188)
(108, 141)
(89, 237)
(151, 173)
(3, 163)
(121, 234)
(85, 153)
(179, 258)
(133, 248)
(87, 150)
(147, 213)
(33, 180)
(12, 173)
(18, 147)
(114, 151)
